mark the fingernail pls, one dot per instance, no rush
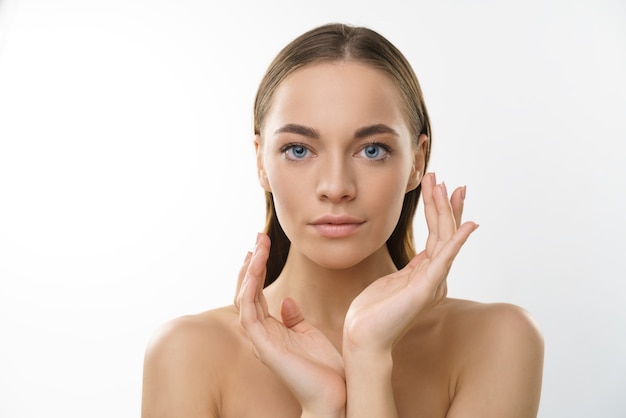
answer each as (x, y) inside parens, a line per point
(443, 187)
(476, 227)
(463, 191)
(248, 256)
(256, 242)
(434, 178)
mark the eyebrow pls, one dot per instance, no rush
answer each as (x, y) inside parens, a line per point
(299, 130)
(361, 133)
(374, 130)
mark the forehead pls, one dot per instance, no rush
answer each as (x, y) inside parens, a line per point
(335, 94)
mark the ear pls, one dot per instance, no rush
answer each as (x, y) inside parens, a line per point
(419, 162)
(260, 165)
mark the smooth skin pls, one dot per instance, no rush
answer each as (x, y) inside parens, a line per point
(342, 332)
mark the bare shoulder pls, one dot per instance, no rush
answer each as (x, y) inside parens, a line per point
(491, 331)
(491, 320)
(499, 359)
(207, 330)
(185, 361)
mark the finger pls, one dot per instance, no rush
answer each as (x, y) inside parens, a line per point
(440, 265)
(260, 254)
(252, 305)
(263, 242)
(290, 313)
(248, 315)
(415, 261)
(457, 201)
(446, 225)
(441, 292)
(292, 317)
(242, 274)
(430, 209)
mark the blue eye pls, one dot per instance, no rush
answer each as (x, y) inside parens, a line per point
(295, 152)
(374, 152)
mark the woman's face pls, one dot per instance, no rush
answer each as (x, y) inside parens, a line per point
(336, 153)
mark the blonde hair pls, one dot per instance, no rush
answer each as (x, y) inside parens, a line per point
(335, 42)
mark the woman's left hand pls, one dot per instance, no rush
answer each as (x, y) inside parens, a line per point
(385, 310)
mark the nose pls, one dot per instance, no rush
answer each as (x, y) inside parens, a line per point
(336, 181)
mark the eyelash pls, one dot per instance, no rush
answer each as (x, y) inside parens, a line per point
(386, 148)
(284, 150)
(289, 147)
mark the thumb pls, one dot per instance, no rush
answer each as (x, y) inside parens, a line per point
(290, 313)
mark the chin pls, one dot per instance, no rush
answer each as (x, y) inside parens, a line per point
(335, 263)
(338, 255)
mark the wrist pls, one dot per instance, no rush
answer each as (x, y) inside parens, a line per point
(330, 403)
(358, 352)
(358, 341)
(369, 383)
(311, 414)
(367, 362)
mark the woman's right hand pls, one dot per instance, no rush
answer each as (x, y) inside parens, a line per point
(297, 352)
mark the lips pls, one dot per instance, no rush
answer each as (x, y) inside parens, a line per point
(336, 226)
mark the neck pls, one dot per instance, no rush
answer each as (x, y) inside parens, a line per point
(324, 294)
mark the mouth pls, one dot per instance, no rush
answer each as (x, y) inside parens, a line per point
(336, 226)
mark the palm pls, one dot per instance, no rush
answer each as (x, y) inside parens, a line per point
(297, 352)
(301, 347)
(382, 313)
(384, 310)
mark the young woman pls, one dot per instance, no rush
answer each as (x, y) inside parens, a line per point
(335, 314)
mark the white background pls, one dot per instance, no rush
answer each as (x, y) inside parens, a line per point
(128, 194)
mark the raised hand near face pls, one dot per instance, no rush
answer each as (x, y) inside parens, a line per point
(384, 311)
(293, 349)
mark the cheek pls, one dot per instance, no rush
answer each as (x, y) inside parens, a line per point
(386, 200)
(289, 191)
